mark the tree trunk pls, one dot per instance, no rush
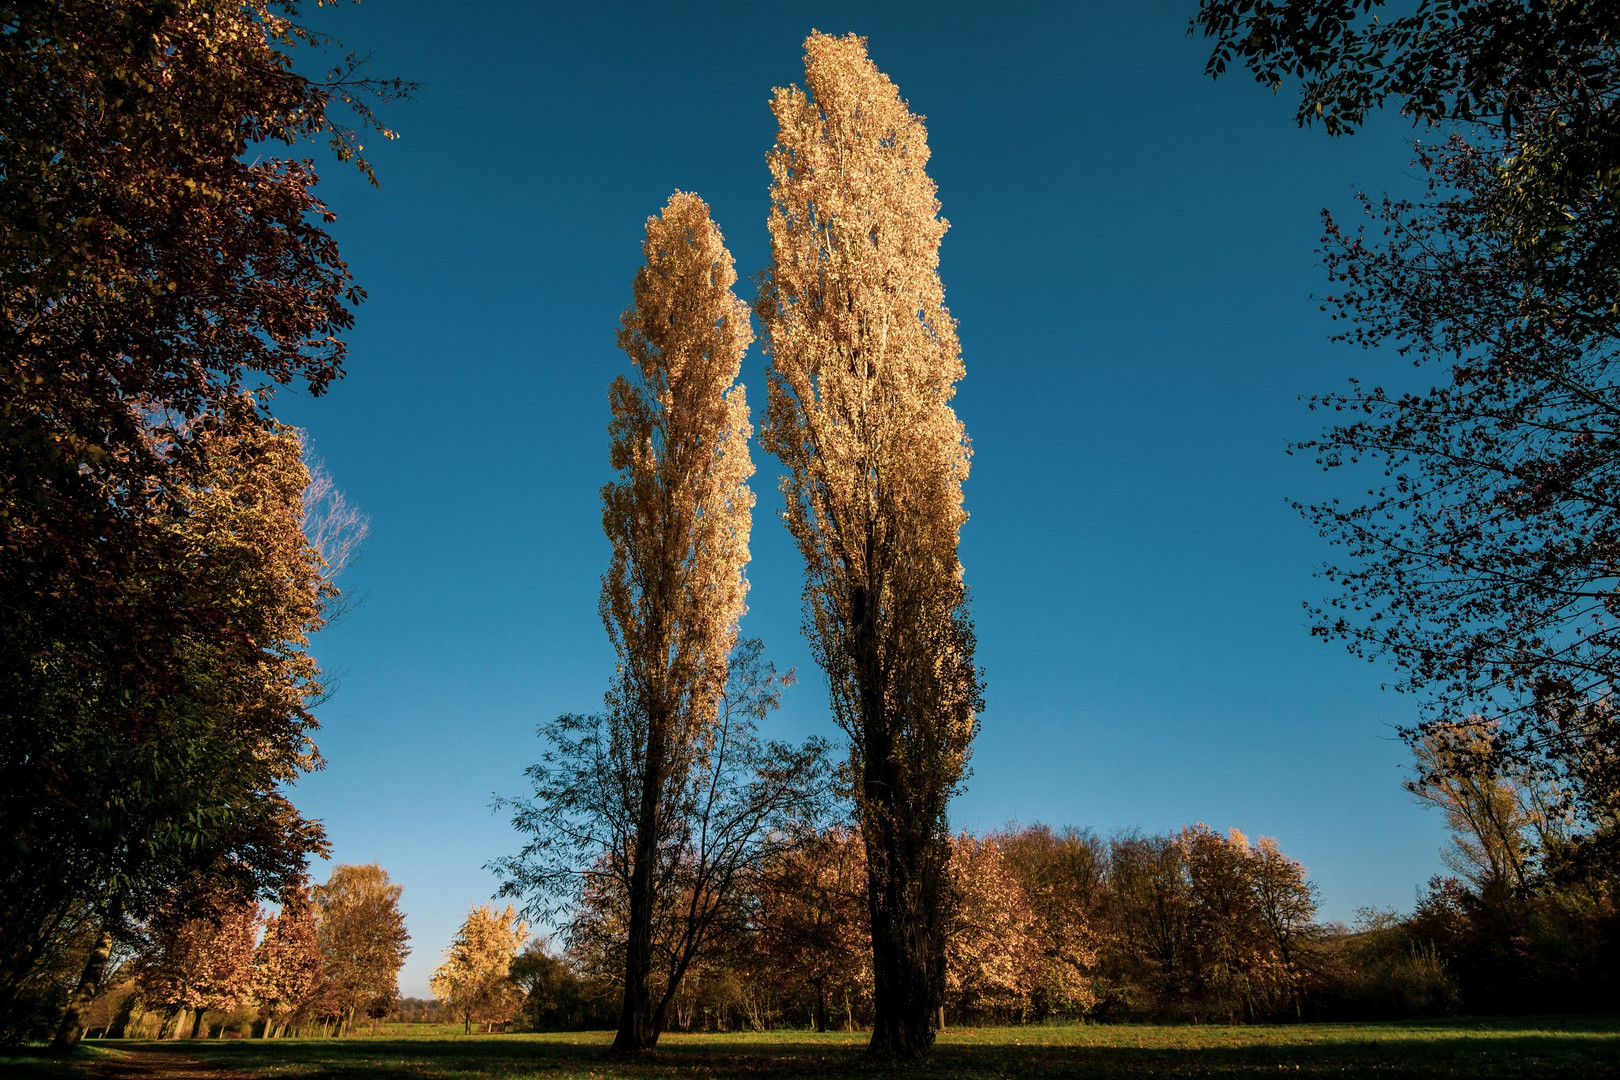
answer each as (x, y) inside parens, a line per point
(905, 975)
(818, 1012)
(906, 855)
(71, 1029)
(121, 1020)
(197, 1024)
(637, 1032)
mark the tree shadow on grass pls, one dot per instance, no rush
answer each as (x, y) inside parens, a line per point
(1439, 1059)
(1387, 1052)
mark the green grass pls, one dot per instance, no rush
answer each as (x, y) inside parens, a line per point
(1586, 1046)
(31, 1062)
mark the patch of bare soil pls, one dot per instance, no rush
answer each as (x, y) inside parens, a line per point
(158, 1065)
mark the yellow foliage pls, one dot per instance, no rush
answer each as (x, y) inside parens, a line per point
(864, 364)
(473, 981)
(679, 515)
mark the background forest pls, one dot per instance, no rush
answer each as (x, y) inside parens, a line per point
(719, 846)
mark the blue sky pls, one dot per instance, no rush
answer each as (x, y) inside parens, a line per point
(1131, 261)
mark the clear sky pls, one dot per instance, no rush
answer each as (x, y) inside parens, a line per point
(1131, 260)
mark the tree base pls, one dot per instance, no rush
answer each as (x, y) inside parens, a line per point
(893, 1048)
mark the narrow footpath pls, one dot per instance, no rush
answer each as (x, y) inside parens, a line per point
(158, 1065)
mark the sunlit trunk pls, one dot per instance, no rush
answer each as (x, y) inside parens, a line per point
(71, 1029)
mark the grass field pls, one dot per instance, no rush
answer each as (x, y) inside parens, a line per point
(1585, 1046)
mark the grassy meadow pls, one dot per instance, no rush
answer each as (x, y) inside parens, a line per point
(1583, 1046)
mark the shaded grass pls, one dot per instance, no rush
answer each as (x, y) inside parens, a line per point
(1582, 1046)
(26, 1063)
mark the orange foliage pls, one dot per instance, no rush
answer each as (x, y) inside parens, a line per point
(864, 365)
(287, 963)
(203, 962)
(814, 942)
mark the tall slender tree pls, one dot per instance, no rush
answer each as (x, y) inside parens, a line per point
(678, 517)
(864, 363)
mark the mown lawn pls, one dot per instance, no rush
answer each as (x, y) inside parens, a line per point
(1584, 1046)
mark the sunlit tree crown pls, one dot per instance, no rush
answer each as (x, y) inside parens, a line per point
(679, 514)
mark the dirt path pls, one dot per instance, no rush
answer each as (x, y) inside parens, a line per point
(159, 1065)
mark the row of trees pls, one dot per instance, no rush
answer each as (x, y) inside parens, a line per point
(328, 958)
(1045, 924)
(659, 811)
(165, 550)
(1189, 925)
(1186, 926)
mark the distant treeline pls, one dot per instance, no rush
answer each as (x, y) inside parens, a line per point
(1064, 923)
(1048, 924)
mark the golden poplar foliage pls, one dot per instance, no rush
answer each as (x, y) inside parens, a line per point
(678, 518)
(864, 364)
(679, 514)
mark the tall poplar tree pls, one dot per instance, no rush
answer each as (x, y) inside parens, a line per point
(678, 517)
(864, 363)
